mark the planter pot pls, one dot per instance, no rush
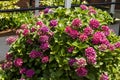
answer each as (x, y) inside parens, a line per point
(116, 27)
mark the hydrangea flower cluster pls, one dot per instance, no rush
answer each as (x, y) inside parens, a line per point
(70, 49)
(99, 38)
(117, 45)
(80, 63)
(106, 30)
(83, 7)
(88, 31)
(83, 37)
(53, 23)
(6, 65)
(82, 71)
(48, 10)
(35, 54)
(71, 32)
(90, 53)
(11, 39)
(18, 62)
(94, 23)
(104, 76)
(91, 10)
(76, 23)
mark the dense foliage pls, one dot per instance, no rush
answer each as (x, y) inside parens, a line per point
(15, 20)
(7, 5)
(64, 44)
(5, 17)
(57, 2)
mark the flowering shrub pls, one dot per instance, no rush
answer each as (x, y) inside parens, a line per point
(66, 44)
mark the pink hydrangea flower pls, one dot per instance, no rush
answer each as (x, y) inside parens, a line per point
(24, 26)
(40, 23)
(90, 7)
(88, 31)
(82, 71)
(9, 56)
(94, 24)
(22, 70)
(45, 59)
(35, 54)
(106, 30)
(48, 10)
(44, 38)
(91, 10)
(76, 23)
(44, 29)
(51, 34)
(26, 32)
(102, 47)
(11, 39)
(44, 46)
(105, 41)
(83, 37)
(18, 62)
(29, 41)
(83, 7)
(70, 49)
(74, 34)
(117, 45)
(6, 65)
(81, 62)
(30, 73)
(33, 29)
(111, 47)
(53, 23)
(72, 61)
(98, 38)
(90, 53)
(104, 76)
(91, 59)
(106, 33)
(68, 29)
(71, 32)
(22, 79)
(18, 31)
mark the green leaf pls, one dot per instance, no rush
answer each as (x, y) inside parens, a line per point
(91, 76)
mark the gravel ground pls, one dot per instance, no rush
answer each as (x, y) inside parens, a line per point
(3, 47)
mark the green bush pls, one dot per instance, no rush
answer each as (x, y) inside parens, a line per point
(57, 2)
(5, 18)
(15, 20)
(65, 44)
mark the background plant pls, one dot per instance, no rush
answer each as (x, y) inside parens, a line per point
(7, 5)
(15, 19)
(53, 47)
(57, 2)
